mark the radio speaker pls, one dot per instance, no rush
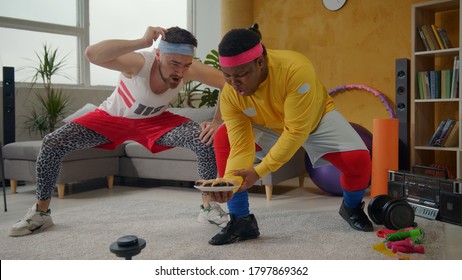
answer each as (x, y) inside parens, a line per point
(396, 184)
(402, 81)
(9, 130)
(451, 202)
(450, 208)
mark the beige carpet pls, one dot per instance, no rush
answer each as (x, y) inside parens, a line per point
(171, 232)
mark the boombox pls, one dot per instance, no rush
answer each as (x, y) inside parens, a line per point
(431, 196)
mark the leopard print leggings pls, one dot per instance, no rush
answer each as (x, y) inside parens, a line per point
(71, 137)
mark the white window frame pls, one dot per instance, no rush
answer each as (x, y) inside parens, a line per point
(81, 31)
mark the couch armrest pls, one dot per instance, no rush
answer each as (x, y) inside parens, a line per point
(295, 167)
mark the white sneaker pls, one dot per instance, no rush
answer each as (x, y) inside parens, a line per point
(213, 215)
(32, 221)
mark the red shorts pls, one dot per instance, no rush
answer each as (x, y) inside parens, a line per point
(145, 131)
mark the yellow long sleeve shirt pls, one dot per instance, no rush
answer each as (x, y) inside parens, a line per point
(291, 101)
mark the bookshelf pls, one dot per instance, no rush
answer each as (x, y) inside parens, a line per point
(427, 113)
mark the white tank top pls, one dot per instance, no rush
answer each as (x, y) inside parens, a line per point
(133, 98)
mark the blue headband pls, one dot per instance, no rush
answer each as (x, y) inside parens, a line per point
(166, 47)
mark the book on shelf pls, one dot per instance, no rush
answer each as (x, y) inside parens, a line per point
(444, 37)
(441, 139)
(434, 37)
(434, 84)
(424, 40)
(430, 36)
(421, 83)
(423, 79)
(427, 84)
(455, 78)
(446, 78)
(452, 140)
(437, 36)
(437, 133)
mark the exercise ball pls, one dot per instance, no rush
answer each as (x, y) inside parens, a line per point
(365, 135)
(327, 177)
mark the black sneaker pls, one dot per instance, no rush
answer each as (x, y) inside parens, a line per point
(356, 217)
(237, 229)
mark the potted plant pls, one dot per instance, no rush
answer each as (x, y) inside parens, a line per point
(193, 91)
(52, 103)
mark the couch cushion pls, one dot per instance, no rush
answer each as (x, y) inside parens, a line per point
(87, 108)
(29, 150)
(135, 150)
(22, 150)
(196, 114)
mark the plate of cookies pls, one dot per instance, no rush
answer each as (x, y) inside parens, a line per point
(216, 185)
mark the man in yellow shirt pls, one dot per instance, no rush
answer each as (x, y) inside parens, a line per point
(274, 98)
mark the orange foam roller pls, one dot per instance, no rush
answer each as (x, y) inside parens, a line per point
(385, 152)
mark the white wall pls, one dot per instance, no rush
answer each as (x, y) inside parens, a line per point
(207, 25)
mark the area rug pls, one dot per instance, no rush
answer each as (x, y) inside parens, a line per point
(172, 233)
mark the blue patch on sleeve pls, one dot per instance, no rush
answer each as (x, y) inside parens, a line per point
(304, 88)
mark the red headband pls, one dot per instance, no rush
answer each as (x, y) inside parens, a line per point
(242, 58)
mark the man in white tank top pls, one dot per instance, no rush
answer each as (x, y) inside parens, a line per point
(136, 111)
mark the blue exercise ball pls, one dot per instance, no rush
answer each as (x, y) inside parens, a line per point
(327, 177)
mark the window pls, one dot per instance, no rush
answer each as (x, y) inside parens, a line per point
(51, 11)
(125, 20)
(26, 25)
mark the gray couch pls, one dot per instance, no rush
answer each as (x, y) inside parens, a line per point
(130, 160)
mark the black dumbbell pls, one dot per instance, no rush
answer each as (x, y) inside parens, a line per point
(393, 213)
(128, 246)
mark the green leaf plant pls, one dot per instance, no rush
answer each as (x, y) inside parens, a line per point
(52, 103)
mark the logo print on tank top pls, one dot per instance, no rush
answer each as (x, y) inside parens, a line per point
(125, 94)
(128, 99)
(145, 111)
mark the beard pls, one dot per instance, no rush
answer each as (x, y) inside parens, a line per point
(172, 81)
